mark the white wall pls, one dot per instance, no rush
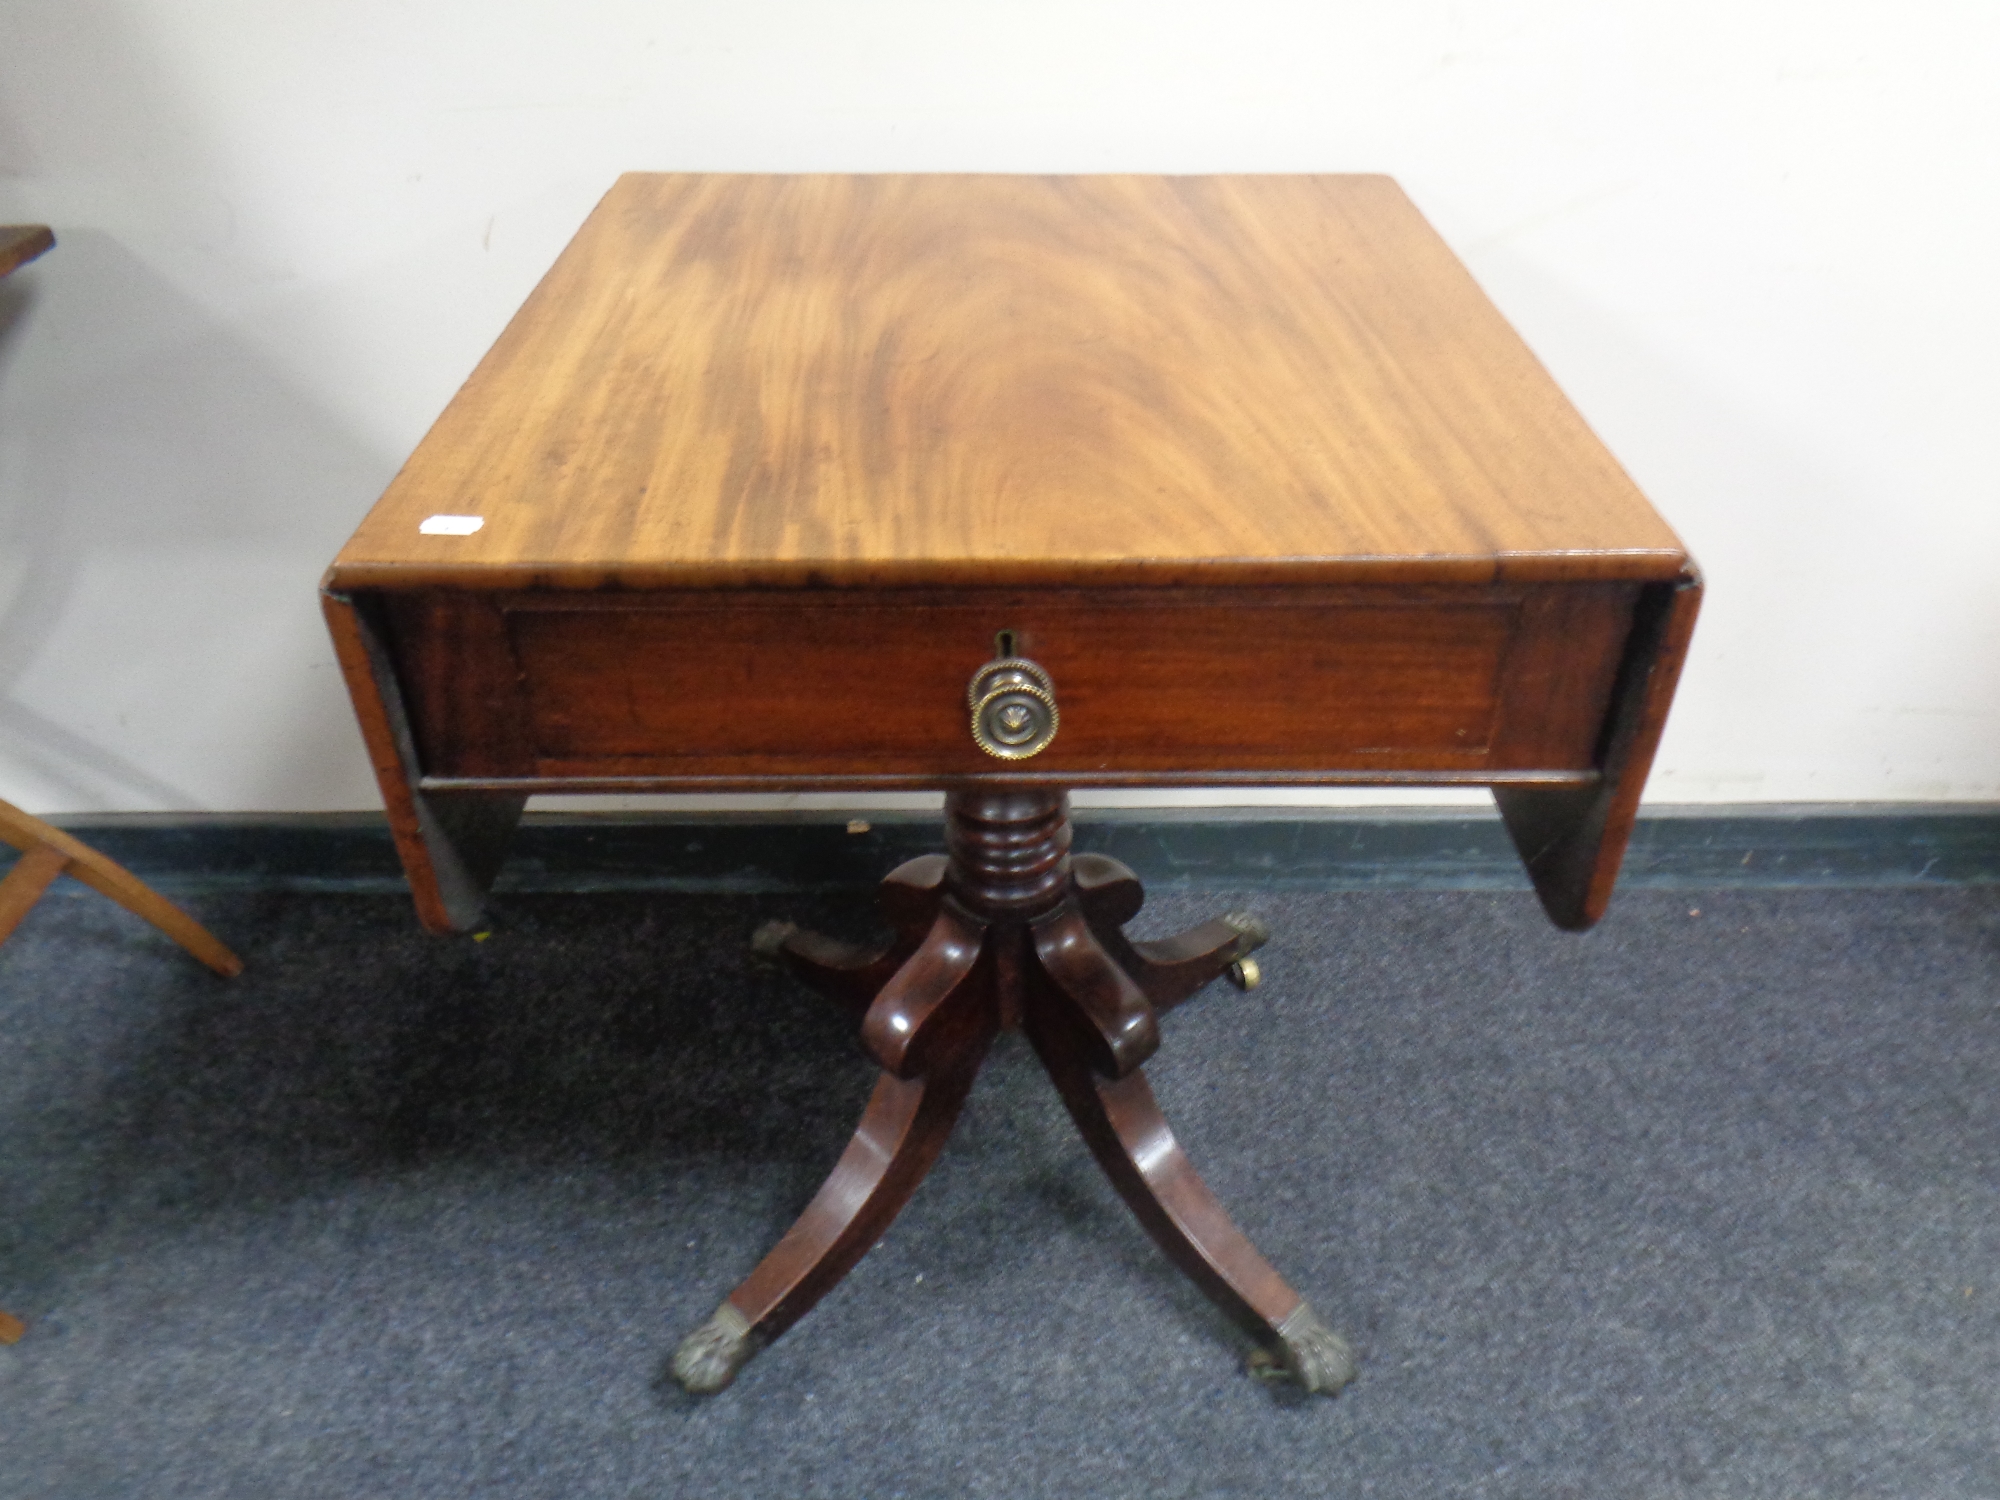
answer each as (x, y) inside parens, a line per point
(1757, 242)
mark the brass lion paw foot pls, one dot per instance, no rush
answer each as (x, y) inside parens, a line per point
(709, 1358)
(1309, 1354)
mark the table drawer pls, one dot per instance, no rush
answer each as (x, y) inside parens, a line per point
(859, 687)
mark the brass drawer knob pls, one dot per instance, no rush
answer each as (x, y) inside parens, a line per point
(1013, 708)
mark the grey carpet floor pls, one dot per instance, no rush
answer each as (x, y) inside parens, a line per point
(1696, 1205)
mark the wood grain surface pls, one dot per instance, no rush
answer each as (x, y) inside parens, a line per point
(1572, 839)
(903, 380)
(779, 684)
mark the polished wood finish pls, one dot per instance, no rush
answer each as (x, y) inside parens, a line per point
(21, 243)
(768, 468)
(850, 974)
(1012, 941)
(731, 381)
(451, 848)
(1121, 1123)
(766, 463)
(669, 689)
(896, 1144)
(47, 852)
(1167, 971)
(1572, 839)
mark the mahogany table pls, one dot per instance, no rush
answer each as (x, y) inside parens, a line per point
(1006, 486)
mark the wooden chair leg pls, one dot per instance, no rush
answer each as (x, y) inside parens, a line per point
(29, 833)
(1122, 1123)
(899, 1138)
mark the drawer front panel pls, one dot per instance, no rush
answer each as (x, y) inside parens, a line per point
(808, 685)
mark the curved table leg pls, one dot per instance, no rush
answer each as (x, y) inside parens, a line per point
(1029, 938)
(918, 1021)
(1171, 969)
(853, 973)
(1168, 970)
(1122, 1123)
(899, 1138)
(1120, 1029)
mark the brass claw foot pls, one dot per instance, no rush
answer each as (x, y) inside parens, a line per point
(767, 943)
(709, 1358)
(1254, 930)
(1252, 933)
(1309, 1354)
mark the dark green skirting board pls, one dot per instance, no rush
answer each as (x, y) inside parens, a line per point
(1861, 845)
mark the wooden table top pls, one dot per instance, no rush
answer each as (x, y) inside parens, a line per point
(912, 380)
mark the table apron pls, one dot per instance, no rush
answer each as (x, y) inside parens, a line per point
(842, 689)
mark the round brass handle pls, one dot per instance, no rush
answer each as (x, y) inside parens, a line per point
(1013, 706)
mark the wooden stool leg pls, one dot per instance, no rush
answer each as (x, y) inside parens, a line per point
(29, 833)
(1122, 1123)
(899, 1139)
(32, 874)
(11, 1328)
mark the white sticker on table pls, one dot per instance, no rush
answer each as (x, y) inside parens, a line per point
(451, 525)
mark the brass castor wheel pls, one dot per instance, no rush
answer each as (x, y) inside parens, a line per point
(1254, 934)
